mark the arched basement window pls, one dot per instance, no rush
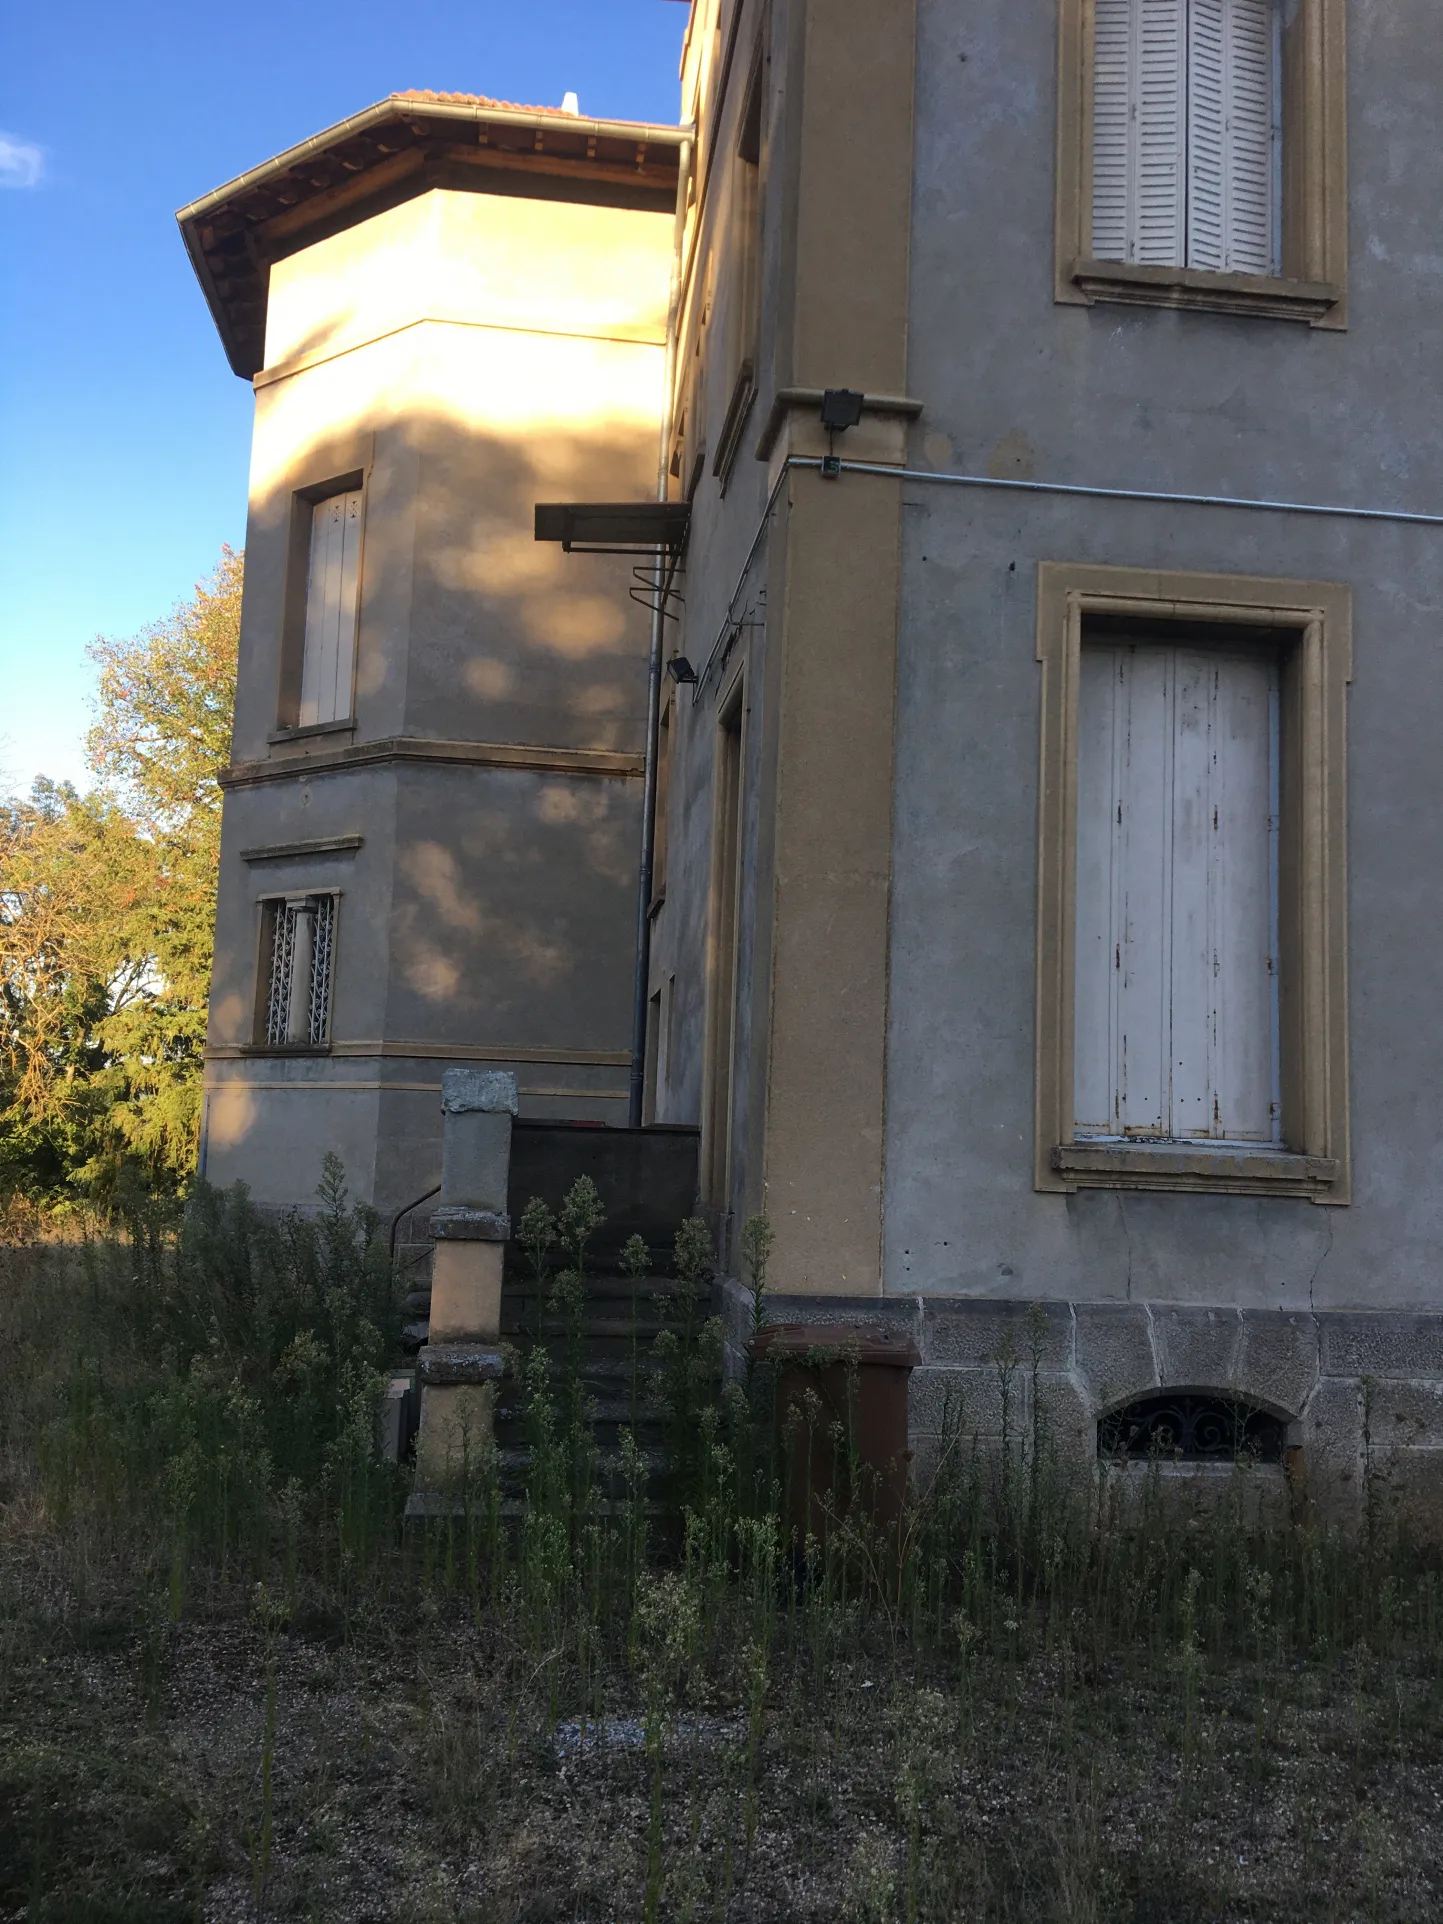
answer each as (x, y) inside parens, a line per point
(1189, 1427)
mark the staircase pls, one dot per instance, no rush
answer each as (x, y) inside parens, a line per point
(647, 1182)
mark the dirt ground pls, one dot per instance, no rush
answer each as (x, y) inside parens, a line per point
(398, 1762)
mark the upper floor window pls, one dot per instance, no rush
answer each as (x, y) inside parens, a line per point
(1186, 155)
(1202, 156)
(328, 659)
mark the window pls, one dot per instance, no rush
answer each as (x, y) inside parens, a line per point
(1192, 952)
(1185, 1427)
(298, 945)
(1201, 155)
(1175, 1029)
(744, 277)
(660, 837)
(725, 910)
(328, 658)
(1185, 127)
(658, 1049)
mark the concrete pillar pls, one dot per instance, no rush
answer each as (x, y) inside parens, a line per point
(462, 1359)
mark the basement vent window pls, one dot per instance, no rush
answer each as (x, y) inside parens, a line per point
(1190, 1428)
(298, 942)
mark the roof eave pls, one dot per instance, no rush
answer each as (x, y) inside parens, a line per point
(398, 107)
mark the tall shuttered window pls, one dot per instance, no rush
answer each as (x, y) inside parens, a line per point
(1176, 1026)
(1186, 158)
(332, 592)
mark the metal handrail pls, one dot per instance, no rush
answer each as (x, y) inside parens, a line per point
(401, 1215)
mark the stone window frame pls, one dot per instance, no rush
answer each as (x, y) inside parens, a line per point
(1313, 285)
(336, 466)
(1313, 624)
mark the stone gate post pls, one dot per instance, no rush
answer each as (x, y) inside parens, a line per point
(462, 1358)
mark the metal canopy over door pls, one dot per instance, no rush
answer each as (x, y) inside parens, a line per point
(329, 661)
(1177, 818)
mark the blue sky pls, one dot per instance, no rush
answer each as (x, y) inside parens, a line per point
(123, 435)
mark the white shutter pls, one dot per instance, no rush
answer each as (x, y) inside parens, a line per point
(328, 661)
(1176, 908)
(1232, 135)
(1139, 130)
(1139, 104)
(1207, 135)
(1113, 97)
(1161, 132)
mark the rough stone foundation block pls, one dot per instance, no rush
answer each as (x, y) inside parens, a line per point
(965, 1403)
(1279, 1362)
(1198, 1348)
(466, 1292)
(477, 1106)
(1332, 1440)
(1069, 1420)
(1409, 1492)
(1257, 1497)
(456, 1437)
(982, 1334)
(1115, 1357)
(1396, 1344)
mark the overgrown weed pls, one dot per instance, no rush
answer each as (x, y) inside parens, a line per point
(817, 1728)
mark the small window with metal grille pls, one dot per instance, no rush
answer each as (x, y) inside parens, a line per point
(298, 944)
(1190, 1427)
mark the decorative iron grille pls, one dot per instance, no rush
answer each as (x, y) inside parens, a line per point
(318, 1025)
(283, 987)
(1191, 1429)
(278, 1000)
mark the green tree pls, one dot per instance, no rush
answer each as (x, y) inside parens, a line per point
(107, 914)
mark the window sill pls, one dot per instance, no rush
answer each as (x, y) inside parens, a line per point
(1193, 1166)
(279, 735)
(285, 1049)
(1313, 302)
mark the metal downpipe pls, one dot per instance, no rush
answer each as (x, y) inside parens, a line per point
(641, 982)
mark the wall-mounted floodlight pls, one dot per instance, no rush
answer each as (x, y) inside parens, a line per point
(681, 670)
(841, 408)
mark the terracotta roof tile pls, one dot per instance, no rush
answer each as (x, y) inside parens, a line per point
(480, 100)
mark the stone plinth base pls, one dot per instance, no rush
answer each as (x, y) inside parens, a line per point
(457, 1391)
(1359, 1392)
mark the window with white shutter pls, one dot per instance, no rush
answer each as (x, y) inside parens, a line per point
(1176, 1014)
(332, 590)
(1192, 978)
(1185, 134)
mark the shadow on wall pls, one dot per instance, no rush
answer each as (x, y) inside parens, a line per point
(517, 928)
(503, 913)
(469, 629)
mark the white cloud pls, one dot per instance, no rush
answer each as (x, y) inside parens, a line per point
(21, 163)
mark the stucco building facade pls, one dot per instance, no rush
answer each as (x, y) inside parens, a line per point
(1043, 908)
(447, 307)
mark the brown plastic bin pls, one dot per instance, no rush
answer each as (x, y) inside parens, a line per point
(841, 1399)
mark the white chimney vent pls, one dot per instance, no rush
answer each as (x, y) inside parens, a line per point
(570, 104)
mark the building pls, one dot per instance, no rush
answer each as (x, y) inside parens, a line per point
(1043, 907)
(447, 307)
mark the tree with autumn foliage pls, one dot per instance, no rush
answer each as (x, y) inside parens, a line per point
(107, 914)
